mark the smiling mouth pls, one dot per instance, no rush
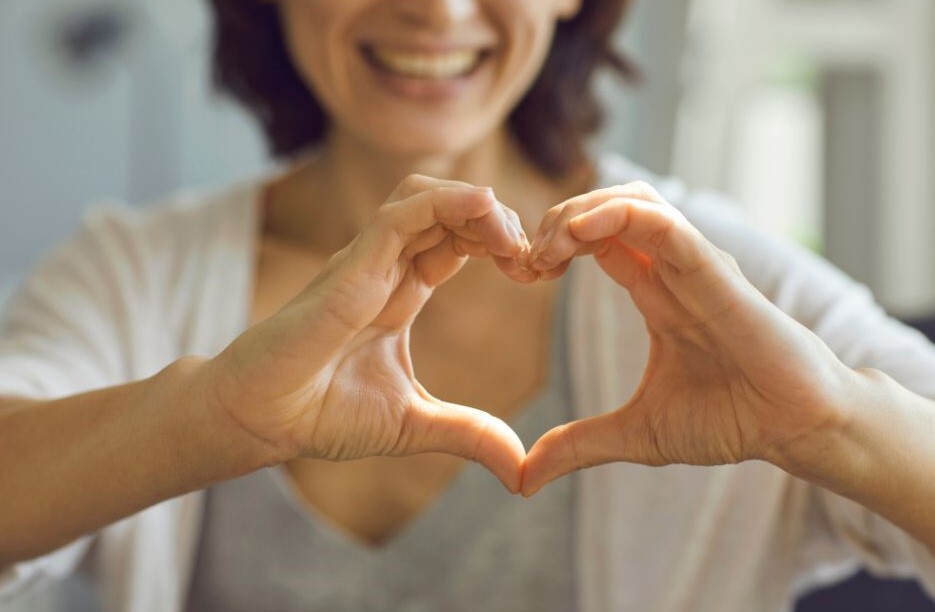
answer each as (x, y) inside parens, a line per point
(438, 66)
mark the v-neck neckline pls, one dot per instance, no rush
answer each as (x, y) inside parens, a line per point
(408, 531)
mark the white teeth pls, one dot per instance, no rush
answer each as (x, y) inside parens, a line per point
(427, 65)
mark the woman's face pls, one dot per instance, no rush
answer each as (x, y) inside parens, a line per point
(420, 77)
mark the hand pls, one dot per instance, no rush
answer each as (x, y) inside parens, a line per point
(730, 377)
(330, 375)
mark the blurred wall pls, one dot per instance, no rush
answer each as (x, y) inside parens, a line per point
(105, 99)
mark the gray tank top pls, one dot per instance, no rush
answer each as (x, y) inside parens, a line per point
(475, 548)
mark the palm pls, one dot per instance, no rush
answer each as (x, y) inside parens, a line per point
(702, 402)
(729, 376)
(363, 405)
(330, 376)
(365, 402)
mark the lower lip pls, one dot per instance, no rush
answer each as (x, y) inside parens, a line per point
(425, 90)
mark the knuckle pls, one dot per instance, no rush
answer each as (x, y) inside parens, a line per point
(384, 215)
(410, 185)
(459, 247)
(472, 207)
(730, 260)
(551, 216)
(482, 434)
(383, 219)
(568, 438)
(565, 215)
(660, 235)
(386, 220)
(413, 182)
(645, 191)
(617, 208)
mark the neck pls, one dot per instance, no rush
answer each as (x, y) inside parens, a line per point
(349, 180)
(346, 159)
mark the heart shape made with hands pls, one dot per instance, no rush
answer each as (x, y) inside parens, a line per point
(702, 399)
(627, 229)
(374, 404)
(711, 393)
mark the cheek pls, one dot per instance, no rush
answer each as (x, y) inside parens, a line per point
(527, 29)
(313, 31)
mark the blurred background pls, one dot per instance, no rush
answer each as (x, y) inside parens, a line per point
(817, 115)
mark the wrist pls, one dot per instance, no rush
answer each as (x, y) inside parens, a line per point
(826, 450)
(217, 442)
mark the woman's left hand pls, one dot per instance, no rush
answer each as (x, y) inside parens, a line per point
(730, 377)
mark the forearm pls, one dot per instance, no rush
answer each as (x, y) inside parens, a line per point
(71, 466)
(883, 455)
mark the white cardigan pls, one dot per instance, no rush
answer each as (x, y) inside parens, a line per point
(134, 290)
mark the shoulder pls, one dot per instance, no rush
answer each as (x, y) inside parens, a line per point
(133, 245)
(189, 222)
(125, 259)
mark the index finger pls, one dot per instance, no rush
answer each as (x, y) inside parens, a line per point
(660, 231)
(399, 224)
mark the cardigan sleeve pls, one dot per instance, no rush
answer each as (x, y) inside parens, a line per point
(844, 314)
(65, 331)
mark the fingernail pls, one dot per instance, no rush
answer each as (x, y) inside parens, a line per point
(510, 228)
(540, 266)
(522, 260)
(512, 221)
(546, 241)
(517, 224)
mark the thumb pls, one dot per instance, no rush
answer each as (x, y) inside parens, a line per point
(580, 444)
(437, 426)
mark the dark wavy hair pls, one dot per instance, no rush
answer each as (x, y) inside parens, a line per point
(552, 122)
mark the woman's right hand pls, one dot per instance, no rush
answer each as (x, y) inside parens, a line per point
(330, 375)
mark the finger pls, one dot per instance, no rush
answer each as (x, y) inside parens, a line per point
(514, 270)
(400, 224)
(515, 220)
(554, 242)
(556, 272)
(582, 203)
(358, 280)
(469, 248)
(492, 226)
(425, 241)
(557, 250)
(500, 232)
(436, 426)
(660, 231)
(558, 246)
(628, 267)
(438, 264)
(704, 279)
(573, 446)
(633, 270)
(430, 269)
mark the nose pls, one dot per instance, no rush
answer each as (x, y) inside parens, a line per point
(436, 12)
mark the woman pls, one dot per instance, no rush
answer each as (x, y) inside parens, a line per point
(299, 295)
